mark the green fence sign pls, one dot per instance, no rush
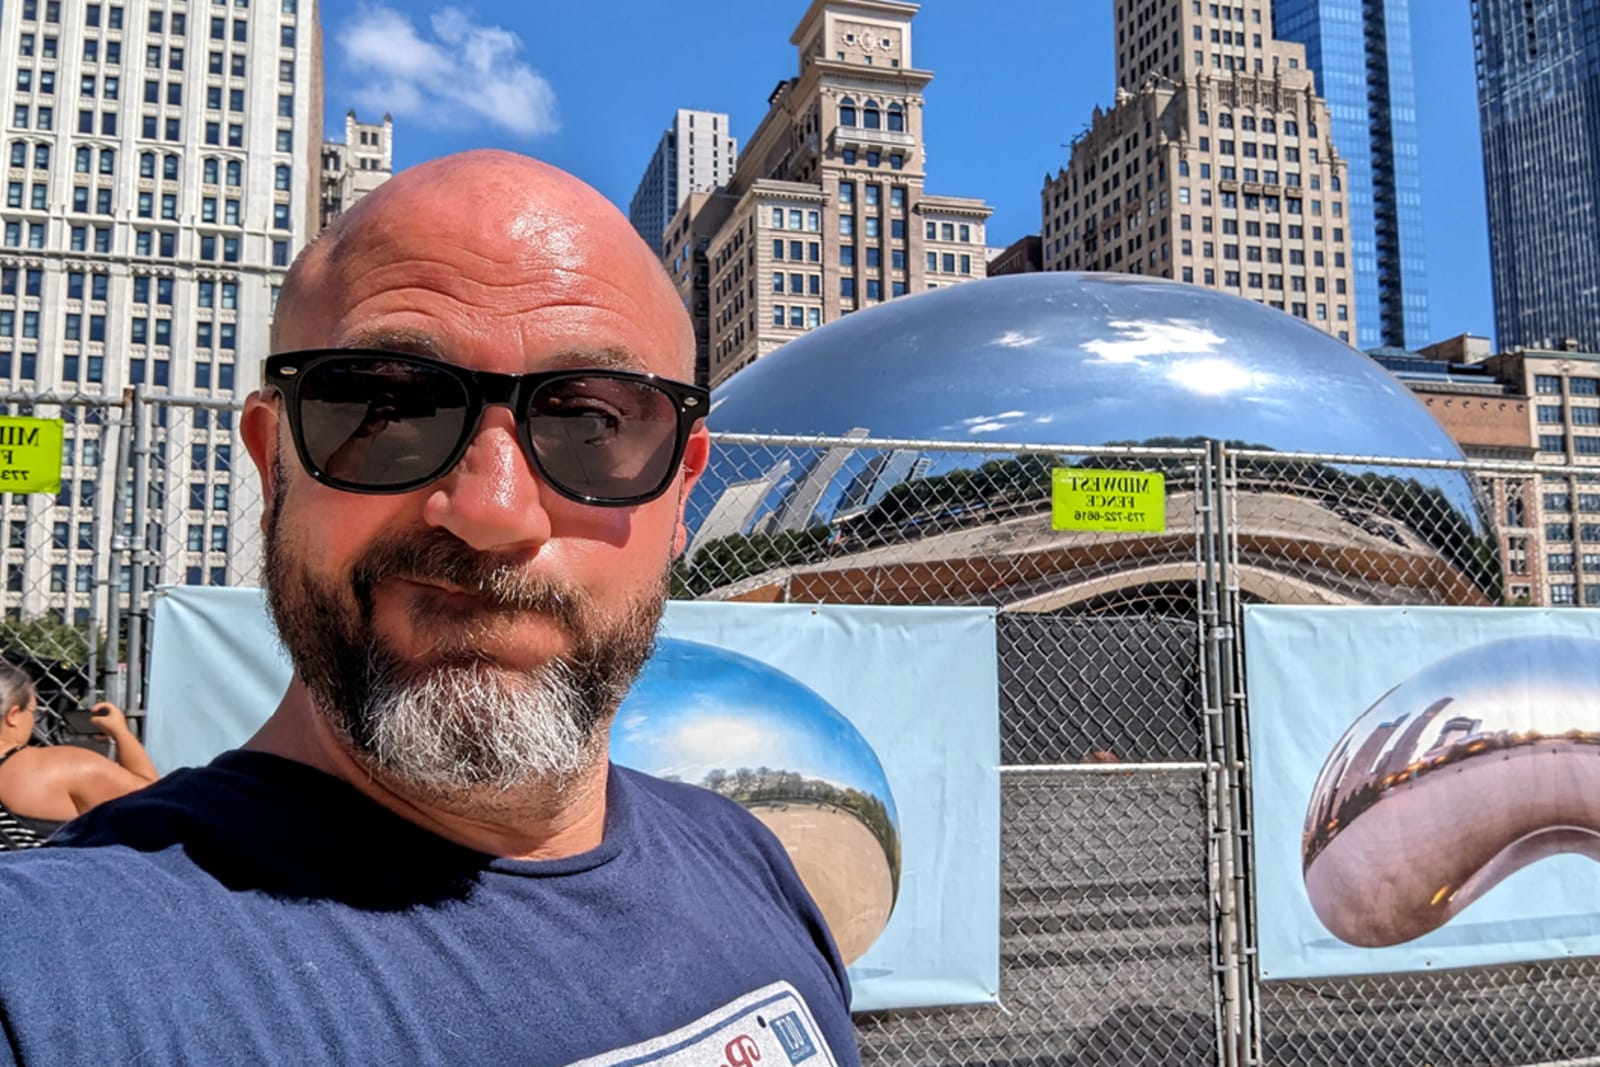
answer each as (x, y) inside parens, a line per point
(1133, 501)
(30, 455)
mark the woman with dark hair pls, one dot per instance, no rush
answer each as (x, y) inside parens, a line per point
(43, 788)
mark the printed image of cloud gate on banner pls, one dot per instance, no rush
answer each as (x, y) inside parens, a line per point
(950, 513)
(1481, 764)
(744, 729)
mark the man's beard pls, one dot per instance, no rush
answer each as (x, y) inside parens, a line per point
(458, 721)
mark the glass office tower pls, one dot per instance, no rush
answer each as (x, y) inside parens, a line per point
(1361, 53)
(1539, 112)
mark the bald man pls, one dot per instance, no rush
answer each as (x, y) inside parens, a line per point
(474, 439)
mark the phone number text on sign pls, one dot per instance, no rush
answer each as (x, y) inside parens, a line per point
(1131, 501)
(30, 455)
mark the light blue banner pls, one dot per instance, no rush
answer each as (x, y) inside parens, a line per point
(1426, 786)
(858, 700)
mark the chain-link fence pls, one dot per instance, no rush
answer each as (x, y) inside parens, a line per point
(153, 492)
(1127, 917)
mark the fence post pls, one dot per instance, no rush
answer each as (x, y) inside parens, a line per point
(137, 604)
(1236, 724)
(120, 468)
(1228, 868)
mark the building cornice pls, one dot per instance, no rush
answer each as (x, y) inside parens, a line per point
(953, 205)
(805, 191)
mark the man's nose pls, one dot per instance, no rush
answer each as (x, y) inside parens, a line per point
(492, 499)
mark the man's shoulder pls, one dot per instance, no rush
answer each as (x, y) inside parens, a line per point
(106, 844)
(694, 820)
(176, 805)
(694, 806)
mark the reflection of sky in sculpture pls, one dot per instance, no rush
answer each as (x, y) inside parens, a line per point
(1060, 359)
(697, 708)
(1082, 359)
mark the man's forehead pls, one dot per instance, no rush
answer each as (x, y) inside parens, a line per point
(423, 343)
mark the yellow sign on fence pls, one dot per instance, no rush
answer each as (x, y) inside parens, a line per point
(1108, 500)
(30, 455)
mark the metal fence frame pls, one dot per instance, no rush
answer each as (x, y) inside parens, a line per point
(1069, 926)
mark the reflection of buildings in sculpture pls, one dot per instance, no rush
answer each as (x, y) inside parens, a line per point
(733, 510)
(1404, 751)
(1507, 779)
(882, 473)
(1292, 550)
(799, 508)
(1338, 762)
(1454, 732)
(1364, 762)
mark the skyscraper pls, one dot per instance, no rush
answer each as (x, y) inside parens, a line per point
(162, 171)
(1539, 113)
(695, 155)
(826, 212)
(1360, 52)
(1214, 166)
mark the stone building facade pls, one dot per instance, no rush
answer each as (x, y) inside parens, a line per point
(827, 212)
(1215, 166)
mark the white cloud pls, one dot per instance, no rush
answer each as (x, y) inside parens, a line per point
(1142, 338)
(1014, 339)
(1215, 377)
(458, 72)
(726, 740)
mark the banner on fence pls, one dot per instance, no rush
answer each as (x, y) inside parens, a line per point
(866, 738)
(1426, 787)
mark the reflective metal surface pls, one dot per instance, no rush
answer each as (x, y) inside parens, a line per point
(1091, 360)
(1080, 359)
(744, 729)
(1469, 770)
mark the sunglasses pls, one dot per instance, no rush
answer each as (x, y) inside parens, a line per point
(384, 422)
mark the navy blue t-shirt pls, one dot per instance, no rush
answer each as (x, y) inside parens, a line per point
(260, 911)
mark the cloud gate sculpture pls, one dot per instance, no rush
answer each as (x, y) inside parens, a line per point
(959, 377)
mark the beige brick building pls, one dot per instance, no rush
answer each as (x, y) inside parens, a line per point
(1561, 513)
(1524, 404)
(826, 211)
(1213, 167)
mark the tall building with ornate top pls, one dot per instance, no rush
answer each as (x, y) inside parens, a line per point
(826, 212)
(1215, 166)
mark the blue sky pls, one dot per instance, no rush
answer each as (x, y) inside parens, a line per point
(590, 87)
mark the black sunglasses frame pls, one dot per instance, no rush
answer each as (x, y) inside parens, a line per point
(285, 371)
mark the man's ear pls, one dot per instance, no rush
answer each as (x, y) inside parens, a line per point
(696, 456)
(258, 429)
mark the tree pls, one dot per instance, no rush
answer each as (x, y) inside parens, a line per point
(48, 639)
